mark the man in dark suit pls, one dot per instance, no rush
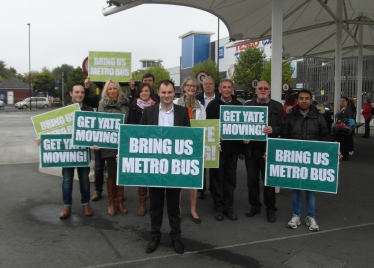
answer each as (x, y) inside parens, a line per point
(165, 114)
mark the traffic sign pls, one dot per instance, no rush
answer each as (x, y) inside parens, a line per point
(286, 87)
(254, 83)
(201, 75)
(85, 65)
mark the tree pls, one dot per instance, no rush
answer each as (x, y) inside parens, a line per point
(138, 75)
(25, 77)
(7, 72)
(57, 71)
(46, 70)
(44, 82)
(209, 67)
(249, 65)
(287, 71)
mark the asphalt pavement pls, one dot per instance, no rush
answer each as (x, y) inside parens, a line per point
(32, 235)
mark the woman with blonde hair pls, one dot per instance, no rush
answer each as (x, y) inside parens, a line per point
(113, 100)
(196, 111)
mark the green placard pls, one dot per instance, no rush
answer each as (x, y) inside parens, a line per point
(101, 129)
(103, 66)
(161, 156)
(59, 121)
(304, 165)
(243, 122)
(211, 127)
(57, 150)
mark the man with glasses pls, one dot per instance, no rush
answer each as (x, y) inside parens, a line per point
(255, 150)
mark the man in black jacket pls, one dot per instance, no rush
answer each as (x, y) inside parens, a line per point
(255, 150)
(304, 123)
(165, 114)
(90, 99)
(208, 95)
(205, 98)
(224, 178)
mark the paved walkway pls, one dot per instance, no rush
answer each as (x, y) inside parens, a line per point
(32, 235)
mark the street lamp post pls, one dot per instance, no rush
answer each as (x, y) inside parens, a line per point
(29, 66)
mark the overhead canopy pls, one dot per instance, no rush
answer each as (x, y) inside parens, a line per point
(308, 25)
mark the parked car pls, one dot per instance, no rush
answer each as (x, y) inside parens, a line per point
(328, 108)
(1, 104)
(36, 102)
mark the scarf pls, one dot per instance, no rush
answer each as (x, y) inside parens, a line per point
(142, 104)
(191, 105)
(111, 104)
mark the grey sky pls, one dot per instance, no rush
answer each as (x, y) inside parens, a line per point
(64, 32)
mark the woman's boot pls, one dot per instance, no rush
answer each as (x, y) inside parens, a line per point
(142, 192)
(120, 206)
(112, 196)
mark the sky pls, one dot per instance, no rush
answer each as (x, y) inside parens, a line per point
(64, 31)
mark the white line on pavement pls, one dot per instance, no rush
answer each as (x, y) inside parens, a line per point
(235, 245)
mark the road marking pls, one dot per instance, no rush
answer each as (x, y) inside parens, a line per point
(235, 245)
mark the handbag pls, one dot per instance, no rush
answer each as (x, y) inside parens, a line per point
(344, 126)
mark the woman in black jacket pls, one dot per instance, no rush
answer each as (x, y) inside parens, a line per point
(142, 98)
(343, 139)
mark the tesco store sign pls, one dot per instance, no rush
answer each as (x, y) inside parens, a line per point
(241, 48)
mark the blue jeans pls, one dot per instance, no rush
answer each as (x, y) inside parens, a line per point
(99, 171)
(67, 185)
(310, 203)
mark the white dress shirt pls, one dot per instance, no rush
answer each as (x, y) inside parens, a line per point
(207, 100)
(166, 118)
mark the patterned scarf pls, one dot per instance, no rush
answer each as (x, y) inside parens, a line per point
(191, 104)
(142, 104)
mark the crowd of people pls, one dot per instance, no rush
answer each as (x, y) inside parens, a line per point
(298, 120)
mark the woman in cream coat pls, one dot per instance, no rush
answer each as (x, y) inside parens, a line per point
(196, 111)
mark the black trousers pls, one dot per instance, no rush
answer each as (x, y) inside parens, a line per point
(351, 142)
(157, 197)
(223, 181)
(367, 127)
(344, 141)
(204, 181)
(254, 165)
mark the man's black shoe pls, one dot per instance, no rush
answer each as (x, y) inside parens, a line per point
(253, 212)
(230, 215)
(201, 195)
(178, 246)
(271, 216)
(218, 216)
(152, 245)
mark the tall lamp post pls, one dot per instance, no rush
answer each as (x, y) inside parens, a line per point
(29, 66)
